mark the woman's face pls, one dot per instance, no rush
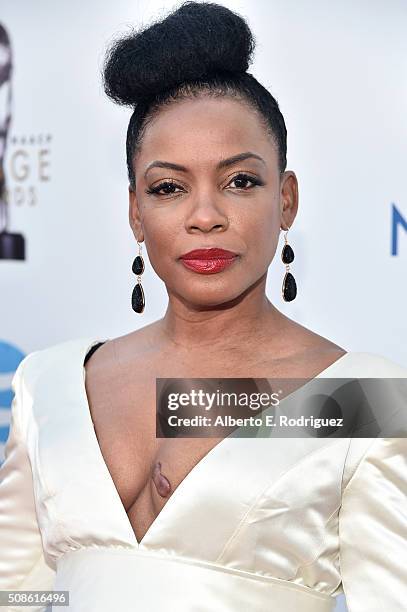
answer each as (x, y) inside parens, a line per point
(202, 197)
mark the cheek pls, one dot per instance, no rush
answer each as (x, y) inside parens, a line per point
(160, 237)
(261, 231)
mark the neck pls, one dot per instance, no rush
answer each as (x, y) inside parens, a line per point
(231, 324)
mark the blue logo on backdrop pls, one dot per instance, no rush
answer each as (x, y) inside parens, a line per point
(397, 220)
(10, 357)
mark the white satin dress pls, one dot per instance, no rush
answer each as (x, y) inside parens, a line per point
(258, 525)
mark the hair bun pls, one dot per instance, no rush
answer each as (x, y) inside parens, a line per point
(198, 40)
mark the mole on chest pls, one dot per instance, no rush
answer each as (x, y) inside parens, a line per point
(161, 482)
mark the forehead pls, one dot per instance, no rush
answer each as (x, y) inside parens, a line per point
(205, 130)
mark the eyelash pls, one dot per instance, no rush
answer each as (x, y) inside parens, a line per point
(256, 182)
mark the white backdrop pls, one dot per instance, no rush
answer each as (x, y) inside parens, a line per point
(338, 71)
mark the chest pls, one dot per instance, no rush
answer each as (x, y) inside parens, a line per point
(146, 470)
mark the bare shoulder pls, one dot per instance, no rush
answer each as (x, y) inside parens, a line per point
(309, 350)
(122, 349)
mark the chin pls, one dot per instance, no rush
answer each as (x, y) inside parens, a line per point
(213, 297)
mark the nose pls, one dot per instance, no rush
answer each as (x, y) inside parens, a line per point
(206, 215)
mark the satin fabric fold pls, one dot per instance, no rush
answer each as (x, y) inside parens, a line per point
(129, 580)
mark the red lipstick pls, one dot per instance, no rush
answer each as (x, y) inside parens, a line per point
(208, 261)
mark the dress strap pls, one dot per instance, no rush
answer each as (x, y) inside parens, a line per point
(92, 350)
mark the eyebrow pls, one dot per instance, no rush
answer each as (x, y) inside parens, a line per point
(224, 163)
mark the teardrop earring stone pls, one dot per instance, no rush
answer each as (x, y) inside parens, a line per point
(137, 298)
(138, 265)
(289, 287)
(288, 254)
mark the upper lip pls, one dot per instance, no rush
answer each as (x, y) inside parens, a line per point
(209, 253)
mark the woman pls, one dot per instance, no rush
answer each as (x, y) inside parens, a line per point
(92, 501)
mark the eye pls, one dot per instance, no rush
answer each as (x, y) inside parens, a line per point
(168, 188)
(243, 178)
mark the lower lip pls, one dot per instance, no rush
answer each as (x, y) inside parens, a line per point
(208, 266)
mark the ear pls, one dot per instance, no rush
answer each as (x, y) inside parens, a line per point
(288, 199)
(134, 216)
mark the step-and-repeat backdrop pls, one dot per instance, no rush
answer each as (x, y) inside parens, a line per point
(338, 71)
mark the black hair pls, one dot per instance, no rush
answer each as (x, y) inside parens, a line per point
(199, 48)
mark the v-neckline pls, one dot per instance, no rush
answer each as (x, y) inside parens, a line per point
(85, 348)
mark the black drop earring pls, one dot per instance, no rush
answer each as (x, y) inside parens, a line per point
(137, 298)
(289, 289)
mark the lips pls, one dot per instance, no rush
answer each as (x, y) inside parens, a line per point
(208, 261)
(212, 253)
